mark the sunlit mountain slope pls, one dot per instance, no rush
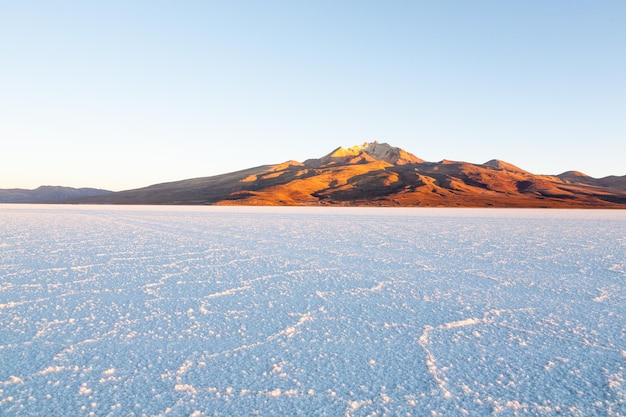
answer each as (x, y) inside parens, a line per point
(378, 174)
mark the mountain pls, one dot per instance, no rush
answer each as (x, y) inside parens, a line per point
(48, 194)
(378, 174)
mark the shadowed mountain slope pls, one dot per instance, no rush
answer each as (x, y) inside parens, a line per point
(48, 194)
(378, 174)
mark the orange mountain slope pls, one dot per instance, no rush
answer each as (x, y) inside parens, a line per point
(378, 174)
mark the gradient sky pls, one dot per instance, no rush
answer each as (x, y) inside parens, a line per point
(124, 94)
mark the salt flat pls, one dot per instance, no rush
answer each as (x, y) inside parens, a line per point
(174, 311)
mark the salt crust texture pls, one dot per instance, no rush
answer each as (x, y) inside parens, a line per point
(112, 311)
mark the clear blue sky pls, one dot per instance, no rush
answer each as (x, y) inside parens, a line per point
(124, 94)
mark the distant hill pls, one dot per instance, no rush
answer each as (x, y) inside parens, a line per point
(378, 174)
(48, 194)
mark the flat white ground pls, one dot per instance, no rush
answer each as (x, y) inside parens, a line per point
(283, 311)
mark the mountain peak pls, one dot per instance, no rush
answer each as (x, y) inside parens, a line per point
(574, 174)
(390, 154)
(505, 166)
(367, 152)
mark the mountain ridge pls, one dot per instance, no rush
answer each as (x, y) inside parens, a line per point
(48, 194)
(378, 174)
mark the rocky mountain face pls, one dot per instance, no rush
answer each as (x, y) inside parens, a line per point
(378, 174)
(48, 194)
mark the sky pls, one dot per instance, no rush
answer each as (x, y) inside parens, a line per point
(125, 94)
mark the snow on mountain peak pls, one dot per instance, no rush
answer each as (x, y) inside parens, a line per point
(388, 153)
(369, 151)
